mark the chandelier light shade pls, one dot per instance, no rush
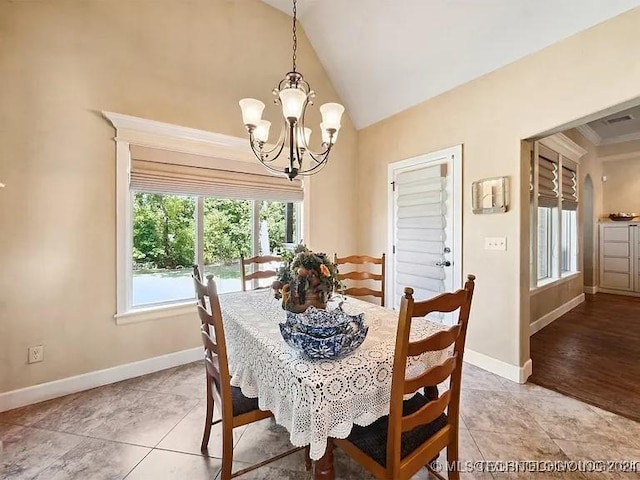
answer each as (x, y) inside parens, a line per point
(294, 95)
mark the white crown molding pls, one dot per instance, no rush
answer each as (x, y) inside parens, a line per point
(151, 133)
(630, 137)
(590, 134)
(566, 147)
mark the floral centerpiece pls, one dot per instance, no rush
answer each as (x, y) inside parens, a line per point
(307, 278)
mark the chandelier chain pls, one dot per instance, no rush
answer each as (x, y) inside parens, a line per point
(295, 38)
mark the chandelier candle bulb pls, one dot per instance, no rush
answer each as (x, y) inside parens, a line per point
(251, 111)
(293, 100)
(326, 135)
(262, 130)
(331, 115)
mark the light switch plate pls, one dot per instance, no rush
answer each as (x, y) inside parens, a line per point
(495, 243)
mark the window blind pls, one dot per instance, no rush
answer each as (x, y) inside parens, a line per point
(547, 182)
(569, 186)
(420, 223)
(162, 171)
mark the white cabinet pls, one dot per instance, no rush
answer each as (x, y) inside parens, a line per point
(620, 258)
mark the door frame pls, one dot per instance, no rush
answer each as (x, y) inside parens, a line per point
(455, 152)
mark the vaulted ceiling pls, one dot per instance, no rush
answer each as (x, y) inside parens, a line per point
(384, 56)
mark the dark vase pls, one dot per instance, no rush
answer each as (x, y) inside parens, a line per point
(293, 303)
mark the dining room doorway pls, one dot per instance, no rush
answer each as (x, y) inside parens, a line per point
(425, 225)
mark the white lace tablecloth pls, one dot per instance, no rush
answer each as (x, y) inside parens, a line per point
(315, 399)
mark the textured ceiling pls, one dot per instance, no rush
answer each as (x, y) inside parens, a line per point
(623, 126)
(384, 56)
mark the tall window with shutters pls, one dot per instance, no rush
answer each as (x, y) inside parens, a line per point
(185, 214)
(554, 221)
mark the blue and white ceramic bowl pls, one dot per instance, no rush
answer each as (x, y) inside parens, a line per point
(322, 334)
(322, 323)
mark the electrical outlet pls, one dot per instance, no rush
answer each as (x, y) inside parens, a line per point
(36, 354)
(495, 243)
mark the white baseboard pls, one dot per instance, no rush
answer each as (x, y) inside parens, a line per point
(555, 314)
(591, 290)
(78, 383)
(618, 292)
(503, 369)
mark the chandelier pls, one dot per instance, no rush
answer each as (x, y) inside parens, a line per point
(294, 95)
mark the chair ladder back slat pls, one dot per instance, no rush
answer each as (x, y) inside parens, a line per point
(260, 274)
(215, 392)
(445, 302)
(432, 377)
(358, 275)
(200, 288)
(212, 369)
(437, 341)
(262, 259)
(358, 259)
(362, 291)
(257, 274)
(208, 342)
(426, 414)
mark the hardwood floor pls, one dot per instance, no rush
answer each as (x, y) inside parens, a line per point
(592, 353)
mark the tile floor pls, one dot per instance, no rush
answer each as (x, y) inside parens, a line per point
(150, 428)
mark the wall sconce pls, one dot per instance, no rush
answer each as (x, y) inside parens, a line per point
(490, 195)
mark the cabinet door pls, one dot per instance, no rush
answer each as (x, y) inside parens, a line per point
(618, 262)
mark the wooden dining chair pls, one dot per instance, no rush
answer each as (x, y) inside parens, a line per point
(235, 408)
(397, 446)
(359, 275)
(201, 289)
(254, 265)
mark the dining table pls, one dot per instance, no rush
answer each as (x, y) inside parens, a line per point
(316, 399)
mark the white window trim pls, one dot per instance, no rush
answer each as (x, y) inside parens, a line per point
(150, 133)
(570, 150)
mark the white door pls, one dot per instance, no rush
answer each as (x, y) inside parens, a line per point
(425, 226)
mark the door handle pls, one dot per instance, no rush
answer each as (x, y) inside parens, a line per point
(445, 263)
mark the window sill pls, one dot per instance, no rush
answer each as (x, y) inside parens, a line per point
(553, 282)
(155, 313)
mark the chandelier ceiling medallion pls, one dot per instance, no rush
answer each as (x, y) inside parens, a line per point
(294, 95)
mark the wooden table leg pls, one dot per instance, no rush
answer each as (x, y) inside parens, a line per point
(324, 467)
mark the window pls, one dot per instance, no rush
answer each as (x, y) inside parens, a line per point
(165, 239)
(545, 242)
(163, 248)
(569, 241)
(554, 221)
(188, 196)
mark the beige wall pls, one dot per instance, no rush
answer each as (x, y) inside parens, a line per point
(622, 188)
(181, 62)
(547, 300)
(489, 116)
